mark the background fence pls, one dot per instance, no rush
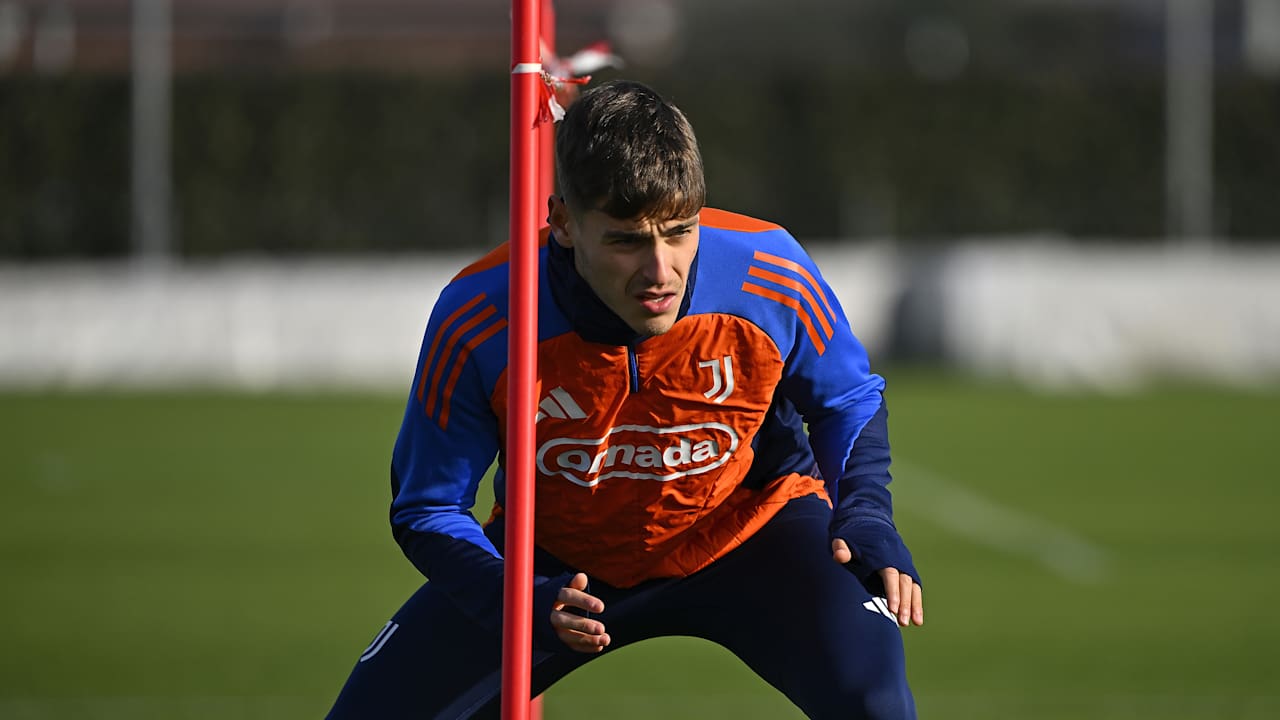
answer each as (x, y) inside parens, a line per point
(336, 126)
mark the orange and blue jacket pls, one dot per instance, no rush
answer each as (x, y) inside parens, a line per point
(655, 455)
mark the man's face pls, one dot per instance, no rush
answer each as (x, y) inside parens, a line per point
(638, 267)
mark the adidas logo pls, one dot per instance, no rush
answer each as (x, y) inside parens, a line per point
(378, 642)
(558, 404)
(879, 606)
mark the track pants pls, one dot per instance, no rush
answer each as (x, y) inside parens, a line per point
(778, 602)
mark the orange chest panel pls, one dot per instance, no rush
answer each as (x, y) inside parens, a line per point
(635, 446)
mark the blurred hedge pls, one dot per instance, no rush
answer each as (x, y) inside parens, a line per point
(291, 163)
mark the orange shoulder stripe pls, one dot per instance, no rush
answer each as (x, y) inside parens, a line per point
(798, 269)
(798, 287)
(435, 342)
(726, 220)
(467, 347)
(792, 303)
(499, 256)
(462, 329)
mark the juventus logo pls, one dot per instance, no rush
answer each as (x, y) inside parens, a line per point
(721, 379)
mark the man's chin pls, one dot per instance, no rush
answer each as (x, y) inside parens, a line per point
(655, 326)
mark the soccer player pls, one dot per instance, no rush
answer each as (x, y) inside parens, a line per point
(681, 353)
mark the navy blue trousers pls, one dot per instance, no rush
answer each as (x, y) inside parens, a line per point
(779, 602)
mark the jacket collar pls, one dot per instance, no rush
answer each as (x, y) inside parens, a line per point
(586, 312)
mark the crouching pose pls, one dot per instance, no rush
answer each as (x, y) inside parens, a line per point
(712, 450)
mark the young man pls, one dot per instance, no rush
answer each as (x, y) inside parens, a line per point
(682, 351)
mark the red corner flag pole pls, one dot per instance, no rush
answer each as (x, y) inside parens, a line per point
(517, 629)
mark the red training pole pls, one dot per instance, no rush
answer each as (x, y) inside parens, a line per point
(546, 184)
(517, 626)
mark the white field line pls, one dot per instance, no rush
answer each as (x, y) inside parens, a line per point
(952, 506)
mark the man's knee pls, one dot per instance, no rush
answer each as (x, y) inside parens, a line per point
(891, 701)
(884, 696)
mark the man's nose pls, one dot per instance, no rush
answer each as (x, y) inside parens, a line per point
(658, 268)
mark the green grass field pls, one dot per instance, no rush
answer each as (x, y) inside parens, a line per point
(227, 556)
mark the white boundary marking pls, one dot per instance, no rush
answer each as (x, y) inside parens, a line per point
(952, 506)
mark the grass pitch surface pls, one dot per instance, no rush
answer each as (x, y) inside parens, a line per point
(201, 555)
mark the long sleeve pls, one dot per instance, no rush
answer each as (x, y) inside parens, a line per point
(472, 579)
(860, 517)
(828, 377)
(447, 443)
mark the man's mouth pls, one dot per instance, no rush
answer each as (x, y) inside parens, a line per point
(657, 303)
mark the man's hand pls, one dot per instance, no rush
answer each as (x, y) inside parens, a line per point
(580, 633)
(901, 591)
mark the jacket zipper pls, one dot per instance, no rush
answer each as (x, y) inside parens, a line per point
(634, 367)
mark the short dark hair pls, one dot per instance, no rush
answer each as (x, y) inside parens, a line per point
(624, 150)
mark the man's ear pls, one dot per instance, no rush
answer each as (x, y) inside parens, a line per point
(558, 218)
